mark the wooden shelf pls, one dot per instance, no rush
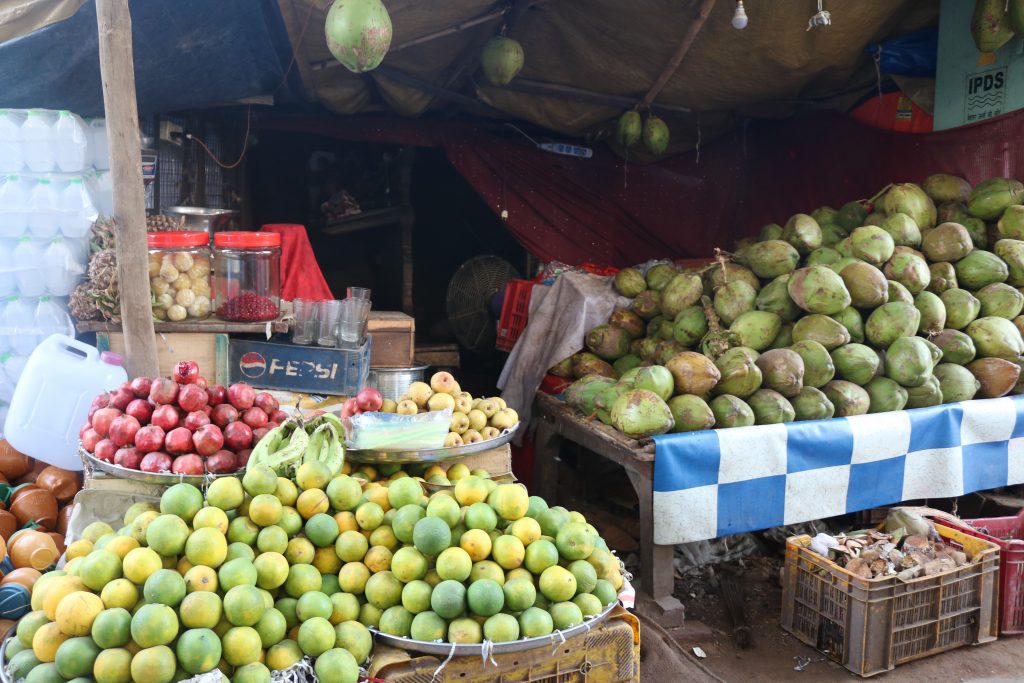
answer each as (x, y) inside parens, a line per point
(367, 220)
(210, 325)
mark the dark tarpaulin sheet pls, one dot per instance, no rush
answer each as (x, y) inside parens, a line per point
(188, 54)
(607, 212)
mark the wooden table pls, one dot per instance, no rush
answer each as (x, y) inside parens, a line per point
(554, 422)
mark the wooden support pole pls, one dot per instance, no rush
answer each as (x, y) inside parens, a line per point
(684, 46)
(117, 70)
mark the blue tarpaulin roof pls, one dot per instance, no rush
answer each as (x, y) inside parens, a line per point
(188, 54)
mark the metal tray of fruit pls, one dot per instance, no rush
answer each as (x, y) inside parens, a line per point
(430, 454)
(158, 478)
(5, 675)
(485, 649)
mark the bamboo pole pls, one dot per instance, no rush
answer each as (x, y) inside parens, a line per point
(117, 71)
(684, 46)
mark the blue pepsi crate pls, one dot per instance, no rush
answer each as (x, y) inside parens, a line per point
(303, 369)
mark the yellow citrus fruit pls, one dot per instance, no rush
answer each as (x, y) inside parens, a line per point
(352, 577)
(121, 545)
(455, 563)
(271, 570)
(201, 579)
(76, 612)
(312, 475)
(46, 641)
(378, 559)
(300, 551)
(470, 489)
(113, 666)
(96, 530)
(201, 610)
(457, 471)
(312, 502)
(211, 517)
(508, 551)
(526, 529)
(225, 493)
(477, 543)
(384, 535)
(326, 560)
(510, 501)
(265, 509)
(486, 569)
(55, 592)
(379, 495)
(284, 654)
(79, 548)
(242, 645)
(369, 515)
(286, 491)
(183, 566)
(206, 546)
(119, 593)
(346, 521)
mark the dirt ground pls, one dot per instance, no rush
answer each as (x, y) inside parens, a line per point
(775, 654)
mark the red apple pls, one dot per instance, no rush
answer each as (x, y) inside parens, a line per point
(217, 393)
(165, 417)
(266, 402)
(201, 382)
(349, 408)
(242, 457)
(222, 462)
(237, 436)
(140, 386)
(163, 391)
(255, 418)
(150, 438)
(155, 462)
(185, 372)
(187, 464)
(223, 415)
(191, 398)
(369, 399)
(278, 416)
(178, 441)
(241, 396)
(128, 457)
(208, 440)
(105, 449)
(123, 429)
(194, 421)
(90, 439)
(141, 410)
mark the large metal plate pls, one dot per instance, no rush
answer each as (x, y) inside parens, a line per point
(5, 676)
(159, 478)
(432, 454)
(483, 649)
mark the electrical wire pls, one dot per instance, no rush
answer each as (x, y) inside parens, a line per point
(298, 47)
(245, 143)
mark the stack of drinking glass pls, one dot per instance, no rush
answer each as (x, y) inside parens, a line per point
(332, 323)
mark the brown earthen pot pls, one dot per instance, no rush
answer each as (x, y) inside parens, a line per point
(58, 540)
(30, 476)
(61, 483)
(8, 524)
(63, 517)
(32, 548)
(13, 464)
(36, 505)
(26, 576)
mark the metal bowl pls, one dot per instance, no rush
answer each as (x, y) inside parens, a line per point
(430, 454)
(159, 478)
(394, 382)
(201, 219)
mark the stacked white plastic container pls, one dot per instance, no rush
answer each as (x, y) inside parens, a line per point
(49, 199)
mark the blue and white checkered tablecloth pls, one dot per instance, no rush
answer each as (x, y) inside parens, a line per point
(719, 482)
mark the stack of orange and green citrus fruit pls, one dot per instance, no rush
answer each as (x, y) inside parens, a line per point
(264, 571)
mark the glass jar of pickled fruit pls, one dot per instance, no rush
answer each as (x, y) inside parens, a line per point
(179, 275)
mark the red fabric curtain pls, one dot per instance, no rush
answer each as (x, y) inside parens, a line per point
(300, 275)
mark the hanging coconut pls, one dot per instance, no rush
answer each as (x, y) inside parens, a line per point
(629, 128)
(655, 135)
(502, 59)
(358, 33)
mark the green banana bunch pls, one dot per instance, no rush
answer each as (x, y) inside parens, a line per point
(295, 442)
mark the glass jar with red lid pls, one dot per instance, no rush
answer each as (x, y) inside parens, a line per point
(247, 275)
(179, 275)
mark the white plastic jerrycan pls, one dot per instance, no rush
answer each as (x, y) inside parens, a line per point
(52, 399)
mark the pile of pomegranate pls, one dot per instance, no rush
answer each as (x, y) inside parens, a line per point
(179, 424)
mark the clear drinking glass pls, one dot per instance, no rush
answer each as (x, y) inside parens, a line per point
(305, 328)
(328, 313)
(357, 293)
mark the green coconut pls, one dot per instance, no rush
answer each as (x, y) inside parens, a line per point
(998, 376)
(822, 256)
(990, 199)
(817, 289)
(996, 338)
(956, 382)
(978, 231)
(691, 413)
(628, 129)
(628, 321)
(562, 368)
(772, 231)
(722, 273)
(845, 247)
(832, 234)
(952, 212)
(1011, 223)
(957, 347)
(629, 282)
(812, 404)
(502, 59)
(851, 319)
(1000, 300)
(690, 326)
(681, 292)
(856, 363)
(666, 350)
(1012, 254)
(659, 275)
(819, 369)
(656, 378)
(608, 342)
(582, 393)
(910, 270)
(875, 218)
(606, 398)
(627, 363)
(847, 397)
(890, 321)
(841, 264)
(784, 338)
(803, 232)
(664, 330)
(774, 298)
(909, 361)
(647, 304)
(655, 135)
(885, 395)
(824, 214)
(980, 268)
(358, 33)
(851, 216)
(640, 413)
(649, 348)
(935, 351)
(902, 229)
(942, 187)
(586, 363)
(898, 293)
(731, 411)
(947, 242)
(740, 375)
(943, 277)
(820, 328)
(928, 393)
(756, 329)
(732, 300)
(693, 373)
(933, 313)
(770, 407)
(961, 308)
(782, 370)
(872, 244)
(772, 258)
(910, 199)
(866, 284)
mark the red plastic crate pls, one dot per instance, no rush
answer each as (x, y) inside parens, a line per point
(1008, 534)
(515, 311)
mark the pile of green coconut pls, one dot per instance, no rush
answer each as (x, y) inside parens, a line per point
(907, 300)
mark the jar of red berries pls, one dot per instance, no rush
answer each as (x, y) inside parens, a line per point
(247, 275)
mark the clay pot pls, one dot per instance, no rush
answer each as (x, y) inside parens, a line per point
(8, 524)
(58, 540)
(36, 505)
(21, 490)
(63, 517)
(30, 476)
(31, 548)
(61, 483)
(13, 464)
(26, 576)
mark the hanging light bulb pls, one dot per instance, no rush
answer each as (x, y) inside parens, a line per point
(739, 19)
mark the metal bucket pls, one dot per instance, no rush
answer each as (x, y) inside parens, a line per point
(394, 382)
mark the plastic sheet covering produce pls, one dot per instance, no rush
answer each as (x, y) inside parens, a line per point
(387, 431)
